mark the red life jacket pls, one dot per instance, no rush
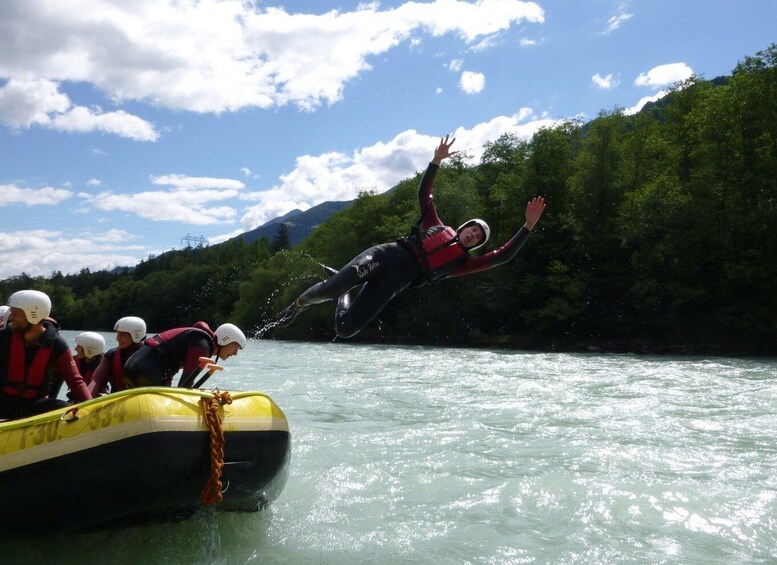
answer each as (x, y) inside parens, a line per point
(87, 366)
(117, 366)
(437, 250)
(22, 381)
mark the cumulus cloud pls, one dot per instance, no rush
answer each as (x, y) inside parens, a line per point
(605, 82)
(247, 55)
(189, 200)
(41, 252)
(340, 176)
(641, 104)
(664, 75)
(38, 102)
(472, 83)
(46, 196)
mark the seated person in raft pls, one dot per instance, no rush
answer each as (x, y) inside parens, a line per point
(35, 359)
(109, 374)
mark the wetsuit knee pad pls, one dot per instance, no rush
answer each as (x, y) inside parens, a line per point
(345, 326)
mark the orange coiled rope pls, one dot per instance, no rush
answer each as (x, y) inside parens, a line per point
(211, 494)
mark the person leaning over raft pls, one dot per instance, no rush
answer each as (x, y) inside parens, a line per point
(130, 333)
(162, 356)
(34, 359)
(432, 252)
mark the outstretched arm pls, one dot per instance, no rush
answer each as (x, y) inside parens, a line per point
(492, 259)
(429, 216)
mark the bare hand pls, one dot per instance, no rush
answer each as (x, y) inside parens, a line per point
(534, 210)
(443, 150)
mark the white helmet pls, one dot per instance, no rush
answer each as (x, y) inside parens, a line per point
(4, 311)
(35, 304)
(228, 333)
(92, 342)
(133, 325)
(482, 225)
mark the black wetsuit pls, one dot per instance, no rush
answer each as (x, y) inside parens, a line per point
(162, 356)
(383, 271)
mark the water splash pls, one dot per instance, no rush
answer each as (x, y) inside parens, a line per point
(271, 321)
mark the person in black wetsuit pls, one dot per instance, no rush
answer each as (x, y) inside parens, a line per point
(432, 252)
(162, 356)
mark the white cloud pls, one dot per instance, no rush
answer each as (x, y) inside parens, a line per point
(46, 196)
(639, 105)
(94, 182)
(615, 22)
(455, 65)
(184, 182)
(605, 83)
(337, 176)
(664, 75)
(186, 207)
(472, 83)
(247, 55)
(38, 102)
(190, 200)
(486, 43)
(41, 252)
(528, 42)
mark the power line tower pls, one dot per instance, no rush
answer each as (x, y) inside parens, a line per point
(193, 241)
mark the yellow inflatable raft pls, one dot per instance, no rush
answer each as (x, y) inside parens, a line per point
(141, 454)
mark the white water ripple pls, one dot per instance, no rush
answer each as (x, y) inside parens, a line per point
(428, 455)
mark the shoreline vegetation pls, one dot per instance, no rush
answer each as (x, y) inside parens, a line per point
(660, 236)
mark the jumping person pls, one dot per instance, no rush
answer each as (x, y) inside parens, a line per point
(162, 356)
(109, 375)
(433, 251)
(34, 359)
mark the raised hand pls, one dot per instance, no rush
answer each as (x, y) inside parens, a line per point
(443, 150)
(534, 210)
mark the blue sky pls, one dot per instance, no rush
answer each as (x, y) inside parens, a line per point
(126, 126)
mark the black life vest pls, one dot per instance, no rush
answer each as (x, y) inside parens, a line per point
(172, 345)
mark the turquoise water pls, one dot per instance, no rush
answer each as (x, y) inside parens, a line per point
(427, 455)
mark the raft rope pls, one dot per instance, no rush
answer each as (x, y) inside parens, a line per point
(211, 494)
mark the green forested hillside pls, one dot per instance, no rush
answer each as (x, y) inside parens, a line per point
(660, 235)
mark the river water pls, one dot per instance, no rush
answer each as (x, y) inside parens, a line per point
(430, 455)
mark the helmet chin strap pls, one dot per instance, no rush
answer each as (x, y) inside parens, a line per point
(27, 329)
